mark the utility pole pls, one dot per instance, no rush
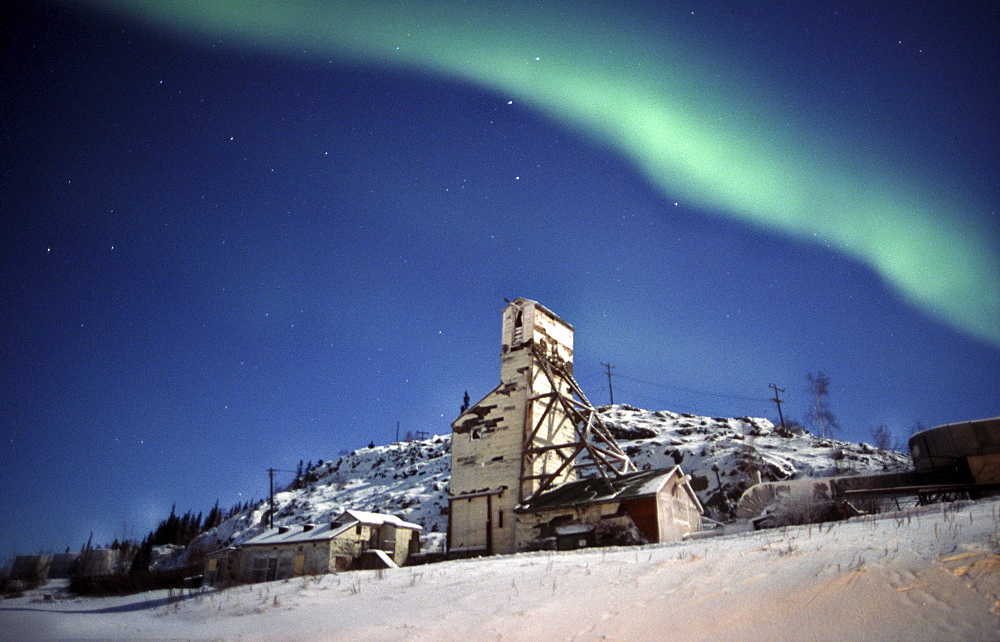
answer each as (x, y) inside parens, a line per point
(270, 513)
(608, 372)
(777, 400)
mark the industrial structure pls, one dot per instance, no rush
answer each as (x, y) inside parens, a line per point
(533, 457)
(966, 452)
(91, 562)
(952, 461)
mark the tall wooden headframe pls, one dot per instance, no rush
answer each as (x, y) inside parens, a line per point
(591, 445)
(531, 433)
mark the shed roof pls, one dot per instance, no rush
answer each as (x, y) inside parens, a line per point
(595, 490)
(377, 519)
(322, 532)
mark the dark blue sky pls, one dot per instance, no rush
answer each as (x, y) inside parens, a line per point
(218, 258)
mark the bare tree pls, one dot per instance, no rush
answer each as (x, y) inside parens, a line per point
(819, 413)
(903, 445)
(882, 437)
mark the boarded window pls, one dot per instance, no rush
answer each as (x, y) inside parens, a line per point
(264, 569)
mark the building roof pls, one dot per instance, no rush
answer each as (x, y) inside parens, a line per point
(595, 490)
(300, 533)
(377, 519)
(541, 307)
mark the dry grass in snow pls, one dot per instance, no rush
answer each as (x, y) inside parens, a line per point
(929, 573)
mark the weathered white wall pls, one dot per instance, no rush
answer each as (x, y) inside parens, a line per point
(531, 526)
(488, 439)
(677, 514)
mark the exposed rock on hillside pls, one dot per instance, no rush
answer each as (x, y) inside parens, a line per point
(724, 456)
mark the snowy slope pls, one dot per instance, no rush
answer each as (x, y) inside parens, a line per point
(724, 455)
(410, 479)
(929, 573)
(406, 479)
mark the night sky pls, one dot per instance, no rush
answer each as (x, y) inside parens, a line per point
(239, 235)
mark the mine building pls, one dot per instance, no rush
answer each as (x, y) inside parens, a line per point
(532, 461)
(354, 540)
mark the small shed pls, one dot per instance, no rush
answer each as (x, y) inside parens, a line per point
(646, 506)
(309, 549)
(222, 566)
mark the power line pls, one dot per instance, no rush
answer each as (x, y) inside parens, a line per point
(611, 390)
(682, 407)
(270, 513)
(777, 400)
(270, 479)
(695, 391)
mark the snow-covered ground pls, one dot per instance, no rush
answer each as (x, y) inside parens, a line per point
(930, 573)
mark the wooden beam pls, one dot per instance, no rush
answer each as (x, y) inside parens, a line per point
(538, 426)
(541, 449)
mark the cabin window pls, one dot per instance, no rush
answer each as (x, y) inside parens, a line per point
(357, 529)
(476, 433)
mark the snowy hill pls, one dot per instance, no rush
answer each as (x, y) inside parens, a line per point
(410, 479)
(725, 455)
(406, 479)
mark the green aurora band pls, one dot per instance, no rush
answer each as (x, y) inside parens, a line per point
(704, 141)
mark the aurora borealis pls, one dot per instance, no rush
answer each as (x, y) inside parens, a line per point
(711, 143)
(240, 234)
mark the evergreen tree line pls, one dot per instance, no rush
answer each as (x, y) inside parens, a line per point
(306, 474)
(180, 530)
